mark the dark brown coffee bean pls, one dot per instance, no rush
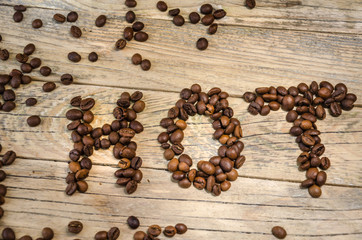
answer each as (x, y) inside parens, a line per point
(45, 71)
(93, 57)
(288, 103)
(18, 16)
(207, 19)
(75, 102)
(113, 233)
(265, 110)
(130, 3)
(335, 109)
(75, 31)
(131, 187)
(318, 149)
(220, 13)
(74, 57)
(33, 121)
(178, 20)
(25, 67)
(72, 17)
(145, 65)
(21, 58)
(101, 235)
(133, 222)
(8, 234)
(75, 227)
(307, 183)
(136, 96)
(67, 79)
(169, 231)
(141, 36)
(9, 95)
(312, 173)
(130, 16)
(315, 191)
(128, 33)
(20, 8)
(47, 233)
(49, 86)
(8, 158)
(101, 21)
(249, 97)
(213, 28)
(136, 59)
(202, 44)
(35, 62)
(4, 54)
(321, 178)
(181, 228)
(206, 9)
(216, 190)
(26, 237)
(60, 18)
(8, 106)
(162, 6)
(194, 17)
(278, 231)
(29, 49)
(37, 23)
(2, 175)
(347, 104)
(308, 140)
(138, 26)
(120, 44)
(87, 104)
(174, 12)
(71, 188)
(325, 163)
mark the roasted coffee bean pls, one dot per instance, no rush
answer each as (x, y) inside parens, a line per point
(130, 3)
(15, 81)
(307, 183)
(75, 31)
(49, 86)
(335, 109)
(177, 148)
(37, 23)
(141, 36)
(93, 57)
(87, 104)
(71, 188)
(128, 33)
(347, 104)
(130, 16)
(75, 227)
(169, 231)
(8, 234)
(18, 16)
(2, 175)
(133, 222)
(202, 44)
(82, 186)
(325, 163)
(82, 174)
(174, 12)
(29, 49)
(181, 228)
(321, 178)
(145, 65)
(220, 13)
(47, 233)
(279, 232)
(101, 235)
(154, 230)
(207, 19)
(8, 106)
(60, 18)
(136, 59)
(131, 187)
(26, 79)
(4, 54)
(101, 21)
(162, 6)
(249, 97)
(178, 20)
(194, 17)
(113, 233)
(74, 114)
(213, 28)
(138, 26)
(265, 110)
(312, 173)
(72, 17)
(25, 67)
(74, 57)
(288, 103)
(8, 158)
(315, 191)
(26, 237)
(206, 9)
(216, 190)
(140, 235)
(20, 8)
(45, 71)
(67, 79)
(208, 168)
(21, 58)
(3, 190)
(35, 62)
(9, 95)
(318, 149)
(33, 121)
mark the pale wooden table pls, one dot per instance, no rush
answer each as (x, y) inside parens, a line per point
(278, 43)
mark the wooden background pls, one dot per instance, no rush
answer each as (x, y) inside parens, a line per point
(279, 42)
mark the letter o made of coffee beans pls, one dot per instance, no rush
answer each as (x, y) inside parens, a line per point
(216, 174)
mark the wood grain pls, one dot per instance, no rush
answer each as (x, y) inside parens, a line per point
(280, 42)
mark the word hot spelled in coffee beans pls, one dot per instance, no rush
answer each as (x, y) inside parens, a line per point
(119, 133)
(216, 174)
(305, 105)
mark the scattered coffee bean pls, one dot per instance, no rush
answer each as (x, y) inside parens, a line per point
(181, 228)
(49, 86)
(45, 71)
(120, 44)
(33, 121)
(279, 232)
(20, 8)
(145, 65)
(178, 20)
(66, 79)
(128, 33)
(133, 222)
(174, 12)
(136, 59)
(162, 6)
(75, 227)
(220, 13)
(169, 231)
(213, 28)
(93, 57)
(18, 16)
(30, 102)
(35, 63)
(141, 36)
(207, 19)
(202, 44)
(138, 26)
(130, 16)
(29, 49)
(37, 23)
(194, 17)
(113, 233)
(60, 18)
(130, 3)
(74, 57)
(8, 158)
(206, 9)
(4, 54)
(21, 58)
(47, 233)
(8, 234)
(72, 17)
(75, 31)
(101, 21)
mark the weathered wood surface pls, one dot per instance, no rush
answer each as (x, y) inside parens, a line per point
(277, 43)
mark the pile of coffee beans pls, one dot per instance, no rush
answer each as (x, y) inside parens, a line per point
(9, 234)
(279, 232)
(120, 133)
(305, 105)
(210, 15)
(213, 175)
(154, 231)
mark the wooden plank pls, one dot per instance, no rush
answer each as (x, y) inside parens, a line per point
(238, 58)
(269, 149)
(307, 15)
(246, 211)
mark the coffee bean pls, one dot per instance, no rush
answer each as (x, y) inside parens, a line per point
(74, 57)
(8, 234)
(325, 163)
(26, 79)
(35, 62)
(249, 97)
(220, 13)
(140, 235)
(250, 4)
(72, 17)
(113, 233)
(2, 175)
(1, 38)
(4, 54)
(335, 109)
(141, 36)
(279, 232)
(3, 190)
(60, 18)
(20, 8)
(101, 21)
(131, 187)
(308, 140)
(202, 44)
(8, 158)
(178, 20)
(154, 230)
(8, 106)
(137, 26)
(9, 95)
(67, 79)
(45, 71)
(216, 190)
(133, 222)
(128, 33)
(207, 19)
(21, 58)
(75, 227)
(37, 23)
(145, 64)
(181, 228)
(26, 68)
(120, 44)
(265, 110)
(49, 86)
(213, 28)
(136, 59)
(33, 121)
(75, 31)
(174, 12)
(29, 49)
(18, 16)
(288, 103)
(47, 233)
(101, 235)
(130, 3)
(315, 191)
(87, 104)
(206, 9)
(75, 102)
(130, 16)
(194, 17)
